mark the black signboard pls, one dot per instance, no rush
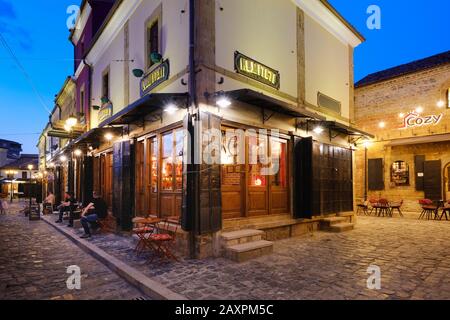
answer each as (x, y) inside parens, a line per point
(155, 77)
(35, 213)
(256, 70)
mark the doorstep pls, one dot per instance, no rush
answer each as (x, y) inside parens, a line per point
(133, 276)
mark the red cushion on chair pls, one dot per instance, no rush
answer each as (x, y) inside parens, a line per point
(161, 237)
(142, 230)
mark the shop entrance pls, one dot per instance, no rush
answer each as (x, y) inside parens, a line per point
(447, 182)
(254, 175)
(432, 181)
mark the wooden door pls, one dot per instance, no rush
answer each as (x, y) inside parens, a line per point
(257, 182)
(140, 179)
(233, 197)
(433, 180)
(279, 186)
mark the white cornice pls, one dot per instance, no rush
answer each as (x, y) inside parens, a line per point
(79, 69)
(81, 22)
(112, 29)
(316, 10)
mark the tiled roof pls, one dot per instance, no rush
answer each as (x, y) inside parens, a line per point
(404, 69)
(23, 162)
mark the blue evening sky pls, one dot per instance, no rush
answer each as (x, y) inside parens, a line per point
(37, 33)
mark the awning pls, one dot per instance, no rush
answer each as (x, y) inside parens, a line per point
(420, 140)
(146, 105)
(63, 134)
(265, 102)
(94, 135)
(337, 127)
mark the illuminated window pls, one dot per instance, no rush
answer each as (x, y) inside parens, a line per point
(154, 165)
(179, 139)
(257, 151)
(279, 161)
(400, 173)
(167, 162)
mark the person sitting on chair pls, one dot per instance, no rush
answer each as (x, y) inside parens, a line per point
(49, 202)
(96, 210)
(67, 205)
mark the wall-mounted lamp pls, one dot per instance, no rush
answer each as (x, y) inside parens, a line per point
(78, 153)
(171, 109)
(318, 130)
(109, 136)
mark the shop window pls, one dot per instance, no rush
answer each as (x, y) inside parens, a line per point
(400, 173)
(154, 165)
(179, 139)
(258, 160)
(167, 162)
(279, 162)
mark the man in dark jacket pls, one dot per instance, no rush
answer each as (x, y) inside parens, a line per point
(96, 210)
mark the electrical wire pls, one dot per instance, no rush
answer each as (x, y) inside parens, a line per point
(24, 72)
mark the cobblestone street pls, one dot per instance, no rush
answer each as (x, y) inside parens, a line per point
(33, 261)
(413, 255)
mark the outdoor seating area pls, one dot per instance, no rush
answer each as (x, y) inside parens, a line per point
(380, 208)
(431, 210)
(157, 236)
(434, 210)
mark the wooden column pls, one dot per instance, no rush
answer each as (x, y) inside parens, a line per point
(301, 89)
(123, 184)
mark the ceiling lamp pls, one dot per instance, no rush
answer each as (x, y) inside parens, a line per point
(318, 129)
(223, 102)
(171, 109)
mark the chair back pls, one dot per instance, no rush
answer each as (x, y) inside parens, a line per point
(383, 202)
(373, 201)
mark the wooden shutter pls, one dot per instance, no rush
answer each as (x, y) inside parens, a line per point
(418, 171)
(432, 180)
(375, 174)
(87, 178)
(303, 178)
(188, 216)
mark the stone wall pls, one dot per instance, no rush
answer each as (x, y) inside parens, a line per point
(386, 102)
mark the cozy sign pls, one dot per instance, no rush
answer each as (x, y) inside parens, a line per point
(105, 112)
(155, 77)
(414, 119)
(256, 70)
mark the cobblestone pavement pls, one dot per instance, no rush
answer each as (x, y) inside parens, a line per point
(414, 257)
(33, 261)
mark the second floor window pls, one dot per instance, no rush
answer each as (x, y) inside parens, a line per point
(152, 40)
(105, 85)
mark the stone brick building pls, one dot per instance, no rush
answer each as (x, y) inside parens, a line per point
(407, 108)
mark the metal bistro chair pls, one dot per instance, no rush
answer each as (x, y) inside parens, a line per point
(163, 240)
(373, 203)
(384, 208)
(364, 207)
(397, 206)
(429, 210)
(445, 211)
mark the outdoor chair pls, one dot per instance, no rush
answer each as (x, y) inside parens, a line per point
(108, 224)
(373, 203)
(445, 211)
(383, 208)
(162, 240)
(364, 207)
(429, 210)
(397, 206)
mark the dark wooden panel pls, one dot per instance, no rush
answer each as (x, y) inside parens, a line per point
(433, 180)
(303, 178)
(375, 174)
(418, 171)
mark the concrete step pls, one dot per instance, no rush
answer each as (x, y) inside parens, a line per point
(241, 236)
(247, 251)
(340, 227)
(327, 222)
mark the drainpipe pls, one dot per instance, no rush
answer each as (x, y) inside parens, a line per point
(192, 211)
(88, 114)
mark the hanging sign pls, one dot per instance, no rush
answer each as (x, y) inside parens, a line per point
(105, 112)
(414, 119)
(256, 70)
(155, 77)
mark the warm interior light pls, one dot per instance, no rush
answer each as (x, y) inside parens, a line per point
(223, 102)
(30, 167)
(382, 124)
(63, 158)
(419, 109)
(71, 121)
(401, 115)
(367, 143)
(171, 109)
(318, 129)
(67, 127)
(109, 136)
(78, 152)
(440, 103)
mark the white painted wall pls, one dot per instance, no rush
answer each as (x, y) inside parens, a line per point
(264, 30)
(326, 66)
(174, 46)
